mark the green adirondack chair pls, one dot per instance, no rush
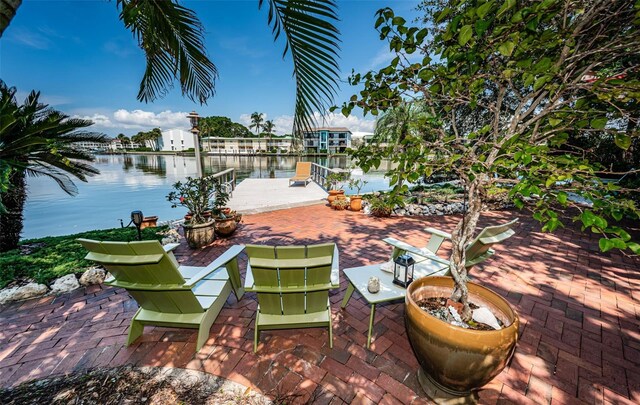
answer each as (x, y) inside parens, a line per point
(477, 251)
(169, 295)
(292, 284)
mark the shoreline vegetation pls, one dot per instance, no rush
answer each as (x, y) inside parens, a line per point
(45, 259)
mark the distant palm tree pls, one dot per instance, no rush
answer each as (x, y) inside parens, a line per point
(268, 128)
(256, 122)
(399, 122)
(172, 38)
(37, 141)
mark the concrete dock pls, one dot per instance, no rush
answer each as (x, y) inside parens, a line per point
(252, 196)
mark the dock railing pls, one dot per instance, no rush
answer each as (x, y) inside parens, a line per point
(319, 174)
(227, 178)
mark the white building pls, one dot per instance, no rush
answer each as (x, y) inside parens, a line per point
(246, 146)
(116, 145)
(176, 140)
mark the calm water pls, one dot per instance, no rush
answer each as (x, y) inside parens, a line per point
(141, 182)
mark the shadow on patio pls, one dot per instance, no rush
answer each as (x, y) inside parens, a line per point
(579, 321)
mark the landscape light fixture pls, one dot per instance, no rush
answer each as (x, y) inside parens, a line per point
(194, 118)
(136, 218)
(403, 267)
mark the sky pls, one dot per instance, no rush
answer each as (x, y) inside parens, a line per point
(86, 64)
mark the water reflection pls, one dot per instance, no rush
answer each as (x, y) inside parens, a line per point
(131, 182)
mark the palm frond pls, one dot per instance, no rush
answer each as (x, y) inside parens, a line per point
(172, 38)
(313, 42)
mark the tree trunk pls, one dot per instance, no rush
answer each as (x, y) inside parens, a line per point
(11, 221)
(460, 238)
(8, 10)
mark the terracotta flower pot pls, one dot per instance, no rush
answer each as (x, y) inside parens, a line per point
(456, 361)
(149, 222)
(199, 235)
(333, 194)
(225, 227)
(206, 214)
(355, 202)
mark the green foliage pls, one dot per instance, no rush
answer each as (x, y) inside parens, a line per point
(60, 255)
(357, 184)
(335, 180)
(382, 204)
(222, 127)
(195, 194)
(506, 87)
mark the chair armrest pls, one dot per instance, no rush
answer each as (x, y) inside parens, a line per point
(229, 255)
(170, 247)
(438, 232)
(335, 268)
(413, 250)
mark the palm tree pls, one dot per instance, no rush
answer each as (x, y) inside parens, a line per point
(268, 128)
(399, 122)
(37, 141)
(256, 122)
(172, 38)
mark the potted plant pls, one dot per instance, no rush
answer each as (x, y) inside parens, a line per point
(381, 205)
(340, 204)
(195, 194)
(501, 98)
(356, 200)
(224, 218)
(334, 184)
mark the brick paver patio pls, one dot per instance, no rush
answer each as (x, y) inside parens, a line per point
(579, 311)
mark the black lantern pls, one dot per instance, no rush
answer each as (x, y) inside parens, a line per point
(403, 270)
(193, 117)
(136, 218)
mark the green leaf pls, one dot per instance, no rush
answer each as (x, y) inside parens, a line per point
(605, 244)
(484, 9)
(506, 7)
(506, 48)
(635, 248)
(598, 123)
(540, 82)
(481, 27)
(465, 35)
(554, 121)
(622, 140)
(562, 198)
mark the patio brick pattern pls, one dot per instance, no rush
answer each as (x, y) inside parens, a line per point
(579, 312)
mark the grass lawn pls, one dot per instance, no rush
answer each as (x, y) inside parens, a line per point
(60, 255)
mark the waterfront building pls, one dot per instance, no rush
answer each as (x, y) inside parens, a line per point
(327, 140)
(116, 145)
(246, 146)
(175, 140)
(91, 146)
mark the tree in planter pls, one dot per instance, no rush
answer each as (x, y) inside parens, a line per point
(36, 141)
(504, 88)
(195, 194)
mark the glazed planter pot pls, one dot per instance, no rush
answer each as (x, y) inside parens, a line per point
(149, 222)
(456, 361)
(355, 202)
(199, 235)
(225, 227)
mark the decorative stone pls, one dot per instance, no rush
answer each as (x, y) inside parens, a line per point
(22, 293)
(171, 236)
(65, 284)
(484, 315)
(94, 275)
(373, 285)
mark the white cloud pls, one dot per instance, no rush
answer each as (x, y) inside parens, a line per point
(284, 123)
(137, 120)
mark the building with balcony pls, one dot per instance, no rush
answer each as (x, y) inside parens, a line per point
(246, 146)
(327, 140)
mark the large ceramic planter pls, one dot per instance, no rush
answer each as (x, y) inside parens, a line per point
(199, 235)
(225, 227)
(355, 202)
(456, 361)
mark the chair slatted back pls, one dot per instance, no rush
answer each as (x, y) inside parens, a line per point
(303, 169)
(291, 279)
(148, 273)
(488, 237)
